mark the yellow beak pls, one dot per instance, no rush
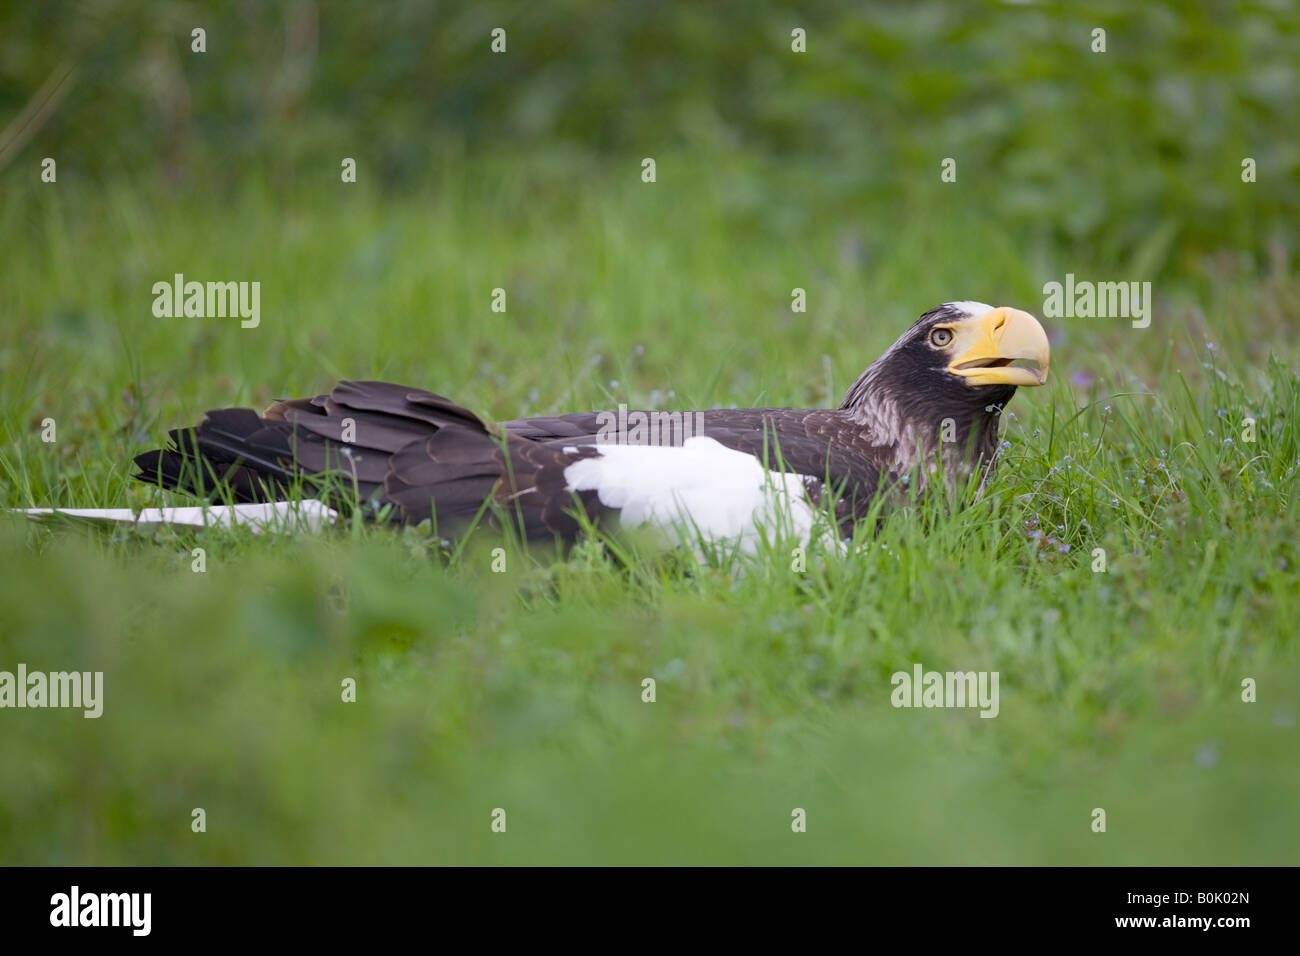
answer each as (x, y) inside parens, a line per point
(985, 347)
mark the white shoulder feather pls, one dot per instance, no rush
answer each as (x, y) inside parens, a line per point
(701, 486)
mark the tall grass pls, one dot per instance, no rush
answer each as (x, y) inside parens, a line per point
(522, 690)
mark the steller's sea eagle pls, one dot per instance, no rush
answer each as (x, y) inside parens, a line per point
(930, 403)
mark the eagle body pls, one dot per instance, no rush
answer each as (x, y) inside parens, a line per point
(929, 405)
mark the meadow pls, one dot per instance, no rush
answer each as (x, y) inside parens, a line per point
(522, 690)
(1130, 572)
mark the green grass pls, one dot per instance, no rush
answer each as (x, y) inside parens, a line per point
(522, 689)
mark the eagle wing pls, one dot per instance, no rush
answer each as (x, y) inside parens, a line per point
(427, 457)
(825, 447)
(379, 443)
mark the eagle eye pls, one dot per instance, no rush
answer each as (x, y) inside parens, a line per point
(940, 338)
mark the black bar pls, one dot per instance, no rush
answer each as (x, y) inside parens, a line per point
(330, 906)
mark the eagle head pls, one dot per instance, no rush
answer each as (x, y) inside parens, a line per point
(942, 385)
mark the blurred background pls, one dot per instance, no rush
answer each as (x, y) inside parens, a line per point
(1135, 152)
(478, 170)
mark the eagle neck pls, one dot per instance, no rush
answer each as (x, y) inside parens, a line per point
(899, 442)
(904, 439)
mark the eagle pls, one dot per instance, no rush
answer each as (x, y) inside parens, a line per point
(927, 408)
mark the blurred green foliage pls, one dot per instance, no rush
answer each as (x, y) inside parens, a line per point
(1133, 154)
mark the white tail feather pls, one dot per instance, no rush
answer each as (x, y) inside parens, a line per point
(309, 514)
